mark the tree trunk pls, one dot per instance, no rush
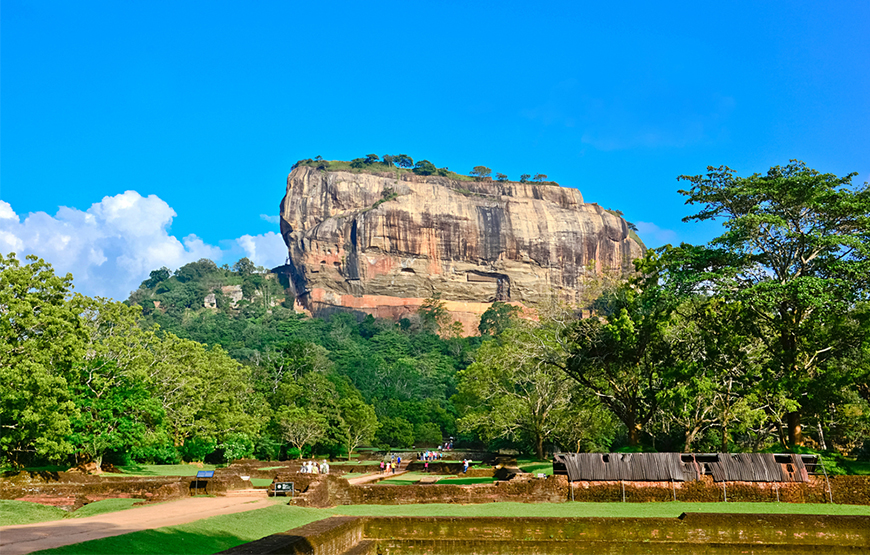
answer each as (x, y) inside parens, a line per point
(822, 437)
(795, 437)
(539, 447)
(634, 434)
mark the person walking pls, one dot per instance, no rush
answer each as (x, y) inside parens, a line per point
(464, 466)
(382, 467)
(426, 466)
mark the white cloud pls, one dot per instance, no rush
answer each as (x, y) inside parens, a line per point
(111, 247)
(655, 236)
(270, 219)
(266, 250)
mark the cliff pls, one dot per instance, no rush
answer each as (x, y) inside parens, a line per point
(382, 243)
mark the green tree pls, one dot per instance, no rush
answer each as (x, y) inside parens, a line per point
(41, 340)
(358, 163)
(395, 432)
(540, 177)
(501, 177)
(481, 171)
(244, 267)
(404, 161)
(524, 178)
(115, 410)
(301, 427)
(425, 167)
(511, 392)
(360, 423)
(497, 318)
(156, 278)
(796, 253)
(388, 160)
(626, 353)
(372, 159)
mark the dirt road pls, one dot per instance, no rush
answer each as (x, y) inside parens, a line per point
(17, 540)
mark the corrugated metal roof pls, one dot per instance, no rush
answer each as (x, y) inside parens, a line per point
(663, 467)
(642, 467)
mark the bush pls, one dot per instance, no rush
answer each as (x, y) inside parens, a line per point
(196, 449)
(267, 449)
(237, 446)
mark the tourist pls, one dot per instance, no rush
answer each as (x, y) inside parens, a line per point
(393, 467)
(382, 467)
(465, 465)
(426, 466)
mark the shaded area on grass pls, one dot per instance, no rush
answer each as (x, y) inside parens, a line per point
(25, 512)
(206, 536)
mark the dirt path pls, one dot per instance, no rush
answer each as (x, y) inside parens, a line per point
(17, 540)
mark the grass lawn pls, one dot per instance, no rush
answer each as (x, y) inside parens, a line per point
(222, 532)
(535, 466)
(260, 482)
(405, 479)
(24, 512)
(164, 469)
(205, 536)
(564, 510)
(461, 481)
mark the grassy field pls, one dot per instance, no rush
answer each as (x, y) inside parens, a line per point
(462, 481)
(205, 536)
(24, 512)
(535, 466)
(565, 510)
(164, 469)
(222, 532)
(260, 482)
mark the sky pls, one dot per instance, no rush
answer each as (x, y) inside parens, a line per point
(135, 135)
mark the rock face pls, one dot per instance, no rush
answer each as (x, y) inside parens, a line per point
(382, 243)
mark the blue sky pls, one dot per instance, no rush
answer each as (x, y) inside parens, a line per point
(141, 134)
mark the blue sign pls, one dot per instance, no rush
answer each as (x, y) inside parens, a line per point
(205, 474)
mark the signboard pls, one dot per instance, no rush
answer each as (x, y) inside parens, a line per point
(283, 488)
(205, 474)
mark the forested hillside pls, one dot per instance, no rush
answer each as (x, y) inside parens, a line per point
(757, 341)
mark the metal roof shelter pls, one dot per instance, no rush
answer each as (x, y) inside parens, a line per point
(677, 467)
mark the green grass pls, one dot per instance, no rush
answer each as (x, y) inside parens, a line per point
(537, 467)
(24, 512)
(354, 474)
(164, 469)
(260, 482)
(205, 536)
(223, 532)
(563, 510)
(272, 468)
(460, 481)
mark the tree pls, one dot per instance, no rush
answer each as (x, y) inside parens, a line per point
(525, 178)
(371, 159)
(41, 340)
(625, 352)
(156, 277)
(318, 158)
(481, 171)
(434, 315)
(395, 432)
(358, 163)
(389, 160)
(244, 267)
(540, 177)
(497, 318)
(501, 177)
(424, 167)
(301, 427)
(796, 253)
(511, 392)
(115, 410)
(403, 161)
(360, 423)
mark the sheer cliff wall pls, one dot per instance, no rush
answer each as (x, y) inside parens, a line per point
(382, 243)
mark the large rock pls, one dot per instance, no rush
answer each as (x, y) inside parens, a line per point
(382, 243)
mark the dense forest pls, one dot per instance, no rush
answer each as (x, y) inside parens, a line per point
(759, 340)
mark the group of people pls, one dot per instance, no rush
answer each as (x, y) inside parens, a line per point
(390, 466)
(311, 467)
(430, 456)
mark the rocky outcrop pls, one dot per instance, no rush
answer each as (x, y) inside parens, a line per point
(382, 243)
